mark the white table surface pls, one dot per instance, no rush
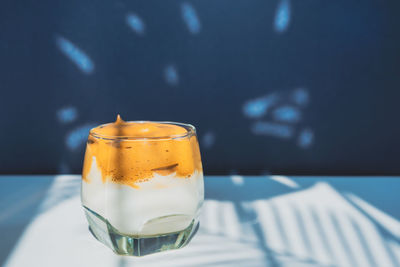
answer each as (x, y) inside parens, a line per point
(245, 221)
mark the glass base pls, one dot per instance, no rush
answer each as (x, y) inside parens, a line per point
(123, 244)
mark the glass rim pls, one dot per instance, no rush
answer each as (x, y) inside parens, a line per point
(190, 131)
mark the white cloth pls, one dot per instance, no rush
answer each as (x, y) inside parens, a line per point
(316, 226)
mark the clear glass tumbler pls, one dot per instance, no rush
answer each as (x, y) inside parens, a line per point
(142, 185)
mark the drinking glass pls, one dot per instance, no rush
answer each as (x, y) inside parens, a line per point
(142, 185)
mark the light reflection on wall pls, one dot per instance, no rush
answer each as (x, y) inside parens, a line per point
(67, 114)
(190, 18)
(171, 75)
(78, 136)
(63, 168)
(305, 138)
(208, 140)
(135, 23)
(272, 129)
(300, 97)
(257, 108)
(75, 54)
(287, 114)
(280, 114)
(282, 16)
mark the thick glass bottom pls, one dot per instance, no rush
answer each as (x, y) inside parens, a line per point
(123, 244)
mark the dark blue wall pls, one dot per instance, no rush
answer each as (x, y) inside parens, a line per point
(280, 86)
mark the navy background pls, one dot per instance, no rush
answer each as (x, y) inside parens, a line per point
(203, 68)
